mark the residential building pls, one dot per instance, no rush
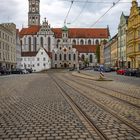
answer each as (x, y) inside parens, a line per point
(122, 28)
(107, 55)
(18, 50)
(133, 36)
(36, 61)
(8, 45)
(114, 51)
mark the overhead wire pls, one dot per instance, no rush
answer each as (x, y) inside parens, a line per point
(80, 13)
(114, 4)
(68, 11)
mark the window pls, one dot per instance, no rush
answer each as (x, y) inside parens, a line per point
(89, 42)
(37, 59)
(44, 59)
(35, 44)
(56, 57)
(97, 42)
(91, 59)
(74, 42)
(41, 53)
(74, 57)
(69, 56)
(81, 42)
(60, 57)
(83, 57)
(29, 42)
(41, 41)
(49, 43)
(138, 47)
(44, 64)
(65, 57)
(37, 64)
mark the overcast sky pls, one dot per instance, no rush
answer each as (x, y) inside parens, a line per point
(55, 11)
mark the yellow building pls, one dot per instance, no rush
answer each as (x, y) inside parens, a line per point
(133, 36)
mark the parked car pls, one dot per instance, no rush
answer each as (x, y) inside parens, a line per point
(96, 68)
(121, 71)
(130, 72)
(29, 70)
(113, 68)
(24, 71)
(138, 72)
(4, 71)
(107, 69)
(71, 69)
(16, 71)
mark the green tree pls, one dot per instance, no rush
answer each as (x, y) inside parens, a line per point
(98, 53)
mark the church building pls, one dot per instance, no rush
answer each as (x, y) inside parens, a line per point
(64, 47)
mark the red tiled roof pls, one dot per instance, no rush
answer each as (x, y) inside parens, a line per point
(85, 48)
(30, 54)
(83, 32)
(32, 30)
(73, 32)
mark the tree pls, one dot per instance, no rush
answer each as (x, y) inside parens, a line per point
(98, 53)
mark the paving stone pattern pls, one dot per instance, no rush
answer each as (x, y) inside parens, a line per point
(127, 111)
(32, 108)
(113, 128)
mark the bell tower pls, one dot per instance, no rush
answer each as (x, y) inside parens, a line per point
(34, 12)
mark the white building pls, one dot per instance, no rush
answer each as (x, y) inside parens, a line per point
(37, 61)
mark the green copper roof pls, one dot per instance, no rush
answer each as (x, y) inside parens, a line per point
(65, 28)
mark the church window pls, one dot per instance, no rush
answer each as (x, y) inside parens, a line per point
(97, 42)
(91, 58)
(81, 42)
(89, 42)
(56, 57)
(35, 44)
(65, 57)
(49, 43)
(60, 57)
(41, 41)
(83, 57)
(29, 42)
(74, 57)
(69, 56)
(74, 42)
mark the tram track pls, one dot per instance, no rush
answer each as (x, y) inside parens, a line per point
(92, 128)
(104, 108)
(102, 90)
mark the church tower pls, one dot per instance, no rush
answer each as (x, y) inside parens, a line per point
(34, 12)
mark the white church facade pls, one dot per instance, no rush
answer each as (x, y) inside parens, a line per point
(64, 47)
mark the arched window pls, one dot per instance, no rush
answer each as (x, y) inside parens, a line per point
(49, 43)
(97, 42)
(65, 57)
(41, 42)
(69, 56)
(74, 42)
(83, 57)
(35, 44)
(56, 57)
(60, 57)
(91, 58)
(89, 42)
(29, 42)
(81, 42)
(58, 41)
(74, 57)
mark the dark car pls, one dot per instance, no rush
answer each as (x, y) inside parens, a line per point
(4, 71)
(130, 72)
(71, 69)
(107, 69)
(96, 68)
(16, 71)
(138, 72)
(29, 70)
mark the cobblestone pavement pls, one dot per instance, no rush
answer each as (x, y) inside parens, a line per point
(110, 125)
(126, 84)
(127, 111)
(32, 108)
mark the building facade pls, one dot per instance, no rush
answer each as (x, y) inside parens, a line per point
(114, 51)
(133, 36)
(7, 45)
(67, 46)
(122, 29)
